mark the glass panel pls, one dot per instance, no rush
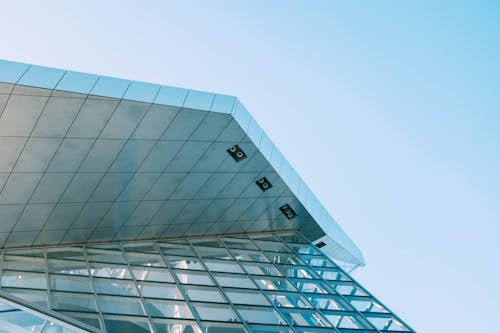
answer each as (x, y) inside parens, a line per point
(177, 250)
(246, 255)
(167, 309)
(15, 319)
(269, 283)
(160, 290)
(175, 326)
(317, 261)
(261, 269)
(341, 321)
(346, 288)
(71, 253)
(388, 323)
(281, 258)
(298, 272)
(23, 280)
(152, 274)
(367, 306)
(307, 286)
(87, 318)
(109, 270)
(37, 297)
(245, 296)
(329, 302)
(304, 318)
(258, 315)
(288, 300)
(236, 243)
(120, 324)
(23, 263)
(264, 237)
(234, 280)
(223, 327)
(212, 252)
(272, 246)
(193, 277)
(144, 259)
(36, 253)
(269, 329)
(139, 247)
(120, 305)
(206, 242)
(72, 302)
(184, 263)
(332, 274)
(218, 312)
(223, 266)
(114, 257)
(114, 287)
(304, 249)
(204, 294)
(70, 283)
(67, 267)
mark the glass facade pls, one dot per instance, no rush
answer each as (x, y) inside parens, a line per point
(264, 282)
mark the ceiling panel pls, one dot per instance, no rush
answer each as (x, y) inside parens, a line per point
(10, 149)
(70, 155)
(91, 214)
(138, 186)
(33, 217)
(90, 168)
(132, 155)
(155, 122)
(102, 155)
(57, 116)
(92, 118)
(184, 124)
(9, 214)
(81, 187)
(37, 154)
(19, 187)
(124, 120)
(51, 187)
(20, 115)
(63, 214)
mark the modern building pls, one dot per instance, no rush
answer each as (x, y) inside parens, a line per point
(132, 207)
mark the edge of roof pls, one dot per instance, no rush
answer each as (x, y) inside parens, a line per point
(105, 86)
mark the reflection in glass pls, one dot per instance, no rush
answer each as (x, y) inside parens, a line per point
(70, 283)
(213, 311)
(23, 280)
(167, 309)
(159, 290)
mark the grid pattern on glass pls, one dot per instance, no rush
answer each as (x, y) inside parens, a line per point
(249, 283)
(15, 318)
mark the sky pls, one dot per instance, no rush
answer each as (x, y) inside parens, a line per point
(389, 110)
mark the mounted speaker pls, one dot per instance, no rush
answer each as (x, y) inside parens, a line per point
(288, 211)
(237, 153)
(263, 184)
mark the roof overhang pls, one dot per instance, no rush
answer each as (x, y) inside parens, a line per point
(86, 158)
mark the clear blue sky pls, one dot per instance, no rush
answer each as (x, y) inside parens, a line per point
(390, 110)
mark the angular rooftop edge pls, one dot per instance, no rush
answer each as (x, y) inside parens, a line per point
(82, 83)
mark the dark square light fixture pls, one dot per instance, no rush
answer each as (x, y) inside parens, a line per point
(237, 153)
(288, 211)
(263, 184)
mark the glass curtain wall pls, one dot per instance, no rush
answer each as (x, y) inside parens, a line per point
(266, 282)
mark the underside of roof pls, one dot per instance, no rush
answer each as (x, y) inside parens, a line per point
(86, 158)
